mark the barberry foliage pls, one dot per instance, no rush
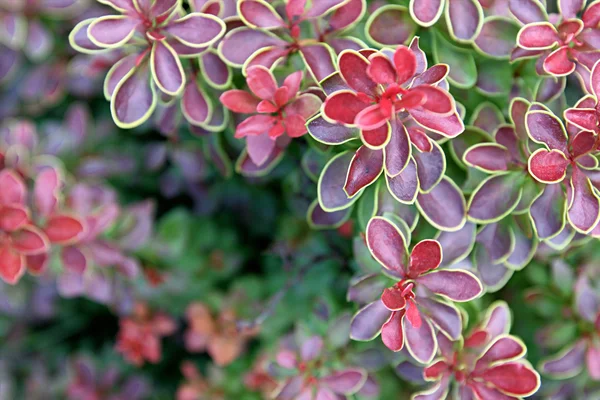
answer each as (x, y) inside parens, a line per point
(299, 200)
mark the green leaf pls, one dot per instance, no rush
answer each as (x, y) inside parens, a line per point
(367, 207)
(463, 71)
(173, 231)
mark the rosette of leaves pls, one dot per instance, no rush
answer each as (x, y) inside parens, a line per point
(87, 379)
(487, 363)
(562, 165)
(153, 35)
(563, 43)
(393, 103)
(413, 309)
(305, 366)
(280, 114)
(270, 36)
(19, 237)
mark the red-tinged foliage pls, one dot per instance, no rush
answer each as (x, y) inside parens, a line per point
(435, 169)
(139, 337)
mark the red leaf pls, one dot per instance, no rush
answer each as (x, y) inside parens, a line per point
(425, 256)
(537, 36)
(558, 63)
(548, 166)
(405, 62)
(239, 101)
(353, 68)
(436, 370)
(261, 82)
(381, 69)
(365, 168)
(513, 378)
(391, 332)
(12, 265)
(343, 106)
(12, 217)
(63, 229)
(413, 315)
(393, 299)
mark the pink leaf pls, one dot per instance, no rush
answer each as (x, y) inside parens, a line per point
(239, 101)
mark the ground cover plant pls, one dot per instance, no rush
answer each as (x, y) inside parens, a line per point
(299, 200)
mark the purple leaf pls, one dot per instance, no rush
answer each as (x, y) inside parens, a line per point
(196, 30)
(489, 157)
(457, 245)
(134, 98)
(494, 198)
(367, 322)
(364, 169)
(426, 12)
(420, 341)
(430, 167)
(216, 72)
(487, 117)
(528, 11)
(112, 30)
(544, 127)
(328, 133)
(548, 211)
(366, 288)
(587, 300)
(584, 207)
(464, 18)
(567, 363)
(195, 105)
(259, 14)
(259, 148)
(117, 72)
(502, 348)
(39, 41)
(322, 7)
(404, 186)
(398, 150)
(332, 196)
(346, 382)
(319, 59)
(246, 166)
(444, 207)
(241, 43)
(456, 285)
(498, 241)
(166, 68)
(386, 244)
(311, 348)
(570, 8)
(321, 219)
(497, 37)
(390, 25)
(498, 319)
(445, 316)
(525, 246)
(493, 275)
(550, 88)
